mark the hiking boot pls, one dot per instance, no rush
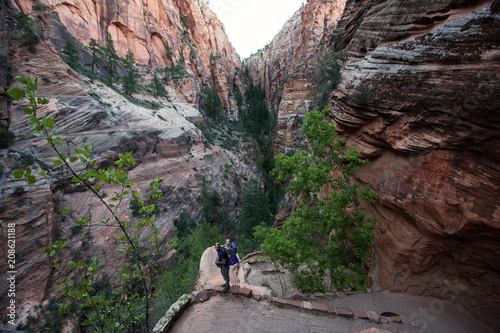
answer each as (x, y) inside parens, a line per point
(223, 285)
(225, 290)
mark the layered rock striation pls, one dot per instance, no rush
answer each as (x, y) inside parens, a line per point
(418, 96)
(164, 34)
(166, 142)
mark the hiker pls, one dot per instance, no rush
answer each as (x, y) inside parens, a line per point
(233, 258)
(222, 261)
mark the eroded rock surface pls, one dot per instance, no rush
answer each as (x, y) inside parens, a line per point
(419, 98)
(287, 67)
(165, 143)
(159, 33)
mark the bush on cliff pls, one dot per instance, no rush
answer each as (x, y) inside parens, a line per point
(29, 36)
(328, 234)
(6, 138)
(328, 76)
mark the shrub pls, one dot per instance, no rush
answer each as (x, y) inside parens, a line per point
(41, 7)
(29, 36)
(328, 76)
(6, 138)
(211, 103)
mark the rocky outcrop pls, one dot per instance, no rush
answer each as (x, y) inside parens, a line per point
(165, 143)
(159, 33)
(419, 97)
(287, 67)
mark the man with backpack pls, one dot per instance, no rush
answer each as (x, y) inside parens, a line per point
(222, 261)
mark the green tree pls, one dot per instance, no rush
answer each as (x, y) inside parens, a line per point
(255, 211)
(112, 57)
(328, 76)
(212, 103)
(6, 138)
(29, 35)
(211, 205)
(95, 50)
(329, 234)
(129, 80)
(158, 88)
(256, 119)
(72, 54)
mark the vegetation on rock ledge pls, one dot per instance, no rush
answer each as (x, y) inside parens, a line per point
(328, 235)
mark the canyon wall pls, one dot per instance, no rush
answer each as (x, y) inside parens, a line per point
(418, 97)
(163, 33)
(287, 67)
(166, 142)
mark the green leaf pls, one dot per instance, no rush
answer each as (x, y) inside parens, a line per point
(50, 123)
(28, 110)
(43, 100)
(38, 131)
(18, 174)
(73, 159)
(21, 79)
(57, 162)
(16, 93)
(58, 141)
(34, 120)
(42, 173)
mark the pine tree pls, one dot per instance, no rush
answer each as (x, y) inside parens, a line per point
(111, 66)
(95, 49)
(129, 81)
(158, 88)
(72, 55)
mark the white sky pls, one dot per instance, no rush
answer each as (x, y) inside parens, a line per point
(250, 24)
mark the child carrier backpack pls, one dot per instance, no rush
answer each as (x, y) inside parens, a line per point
(231, 251)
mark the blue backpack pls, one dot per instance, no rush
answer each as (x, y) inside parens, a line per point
(231, 252)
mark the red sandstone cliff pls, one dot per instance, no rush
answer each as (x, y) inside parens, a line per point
(287, 67)
(165, 142)
(419, 97)
(159, 34)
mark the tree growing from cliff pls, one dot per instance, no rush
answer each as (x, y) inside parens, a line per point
(158, 88)
(127, 308)
(212, 103)
(255, 211)
(29, 36)
(72, 56)
(129, 80)
(95, 50)
(112, 64)
(328, 76)
(328, 234)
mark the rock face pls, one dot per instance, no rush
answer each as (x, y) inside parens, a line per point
(287, 67)
(159, 33)
(165, 143)
(419, 98)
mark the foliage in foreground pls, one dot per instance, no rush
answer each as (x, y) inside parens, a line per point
(327, 235)
(127, 308)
